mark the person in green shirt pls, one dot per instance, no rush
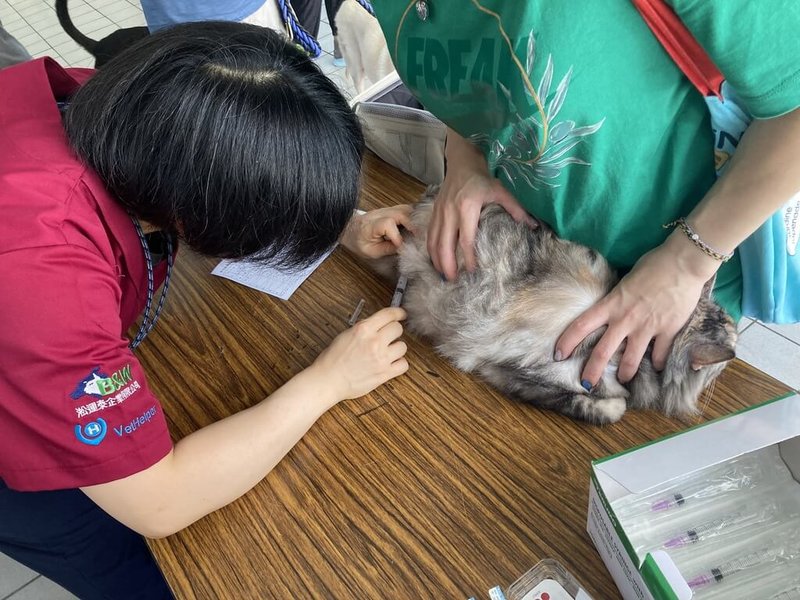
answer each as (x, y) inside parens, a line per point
(573, 112)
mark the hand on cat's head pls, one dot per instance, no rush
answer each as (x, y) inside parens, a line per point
(651, 303)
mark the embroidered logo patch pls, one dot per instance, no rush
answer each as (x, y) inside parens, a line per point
(92, 433)
(98, 384)
(103, 390)
(89, 385)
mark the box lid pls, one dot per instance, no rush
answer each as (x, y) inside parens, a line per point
(651, 464)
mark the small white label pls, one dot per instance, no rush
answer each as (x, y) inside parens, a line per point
(791, 220)
(496, 594)
(548, 590)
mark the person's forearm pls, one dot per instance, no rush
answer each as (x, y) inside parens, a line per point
(763, 175)
(222, 461)
(215, 465)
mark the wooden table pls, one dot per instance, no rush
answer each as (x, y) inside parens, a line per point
(433, 486)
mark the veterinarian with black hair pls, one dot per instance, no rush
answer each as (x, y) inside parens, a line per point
(573, 112)
(199, 133)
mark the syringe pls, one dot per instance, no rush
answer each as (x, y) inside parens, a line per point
(692, 535)
(792, 593)
(737, 565)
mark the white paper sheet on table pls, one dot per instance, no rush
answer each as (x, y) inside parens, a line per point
(269, 280)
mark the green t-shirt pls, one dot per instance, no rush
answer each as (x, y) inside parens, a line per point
(606, 140)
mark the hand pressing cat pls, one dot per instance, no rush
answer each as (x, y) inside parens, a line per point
(377, 233)
(652, 302)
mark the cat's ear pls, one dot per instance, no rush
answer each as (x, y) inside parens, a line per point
(704, 355)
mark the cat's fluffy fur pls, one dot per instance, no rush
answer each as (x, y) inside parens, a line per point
(502, 321)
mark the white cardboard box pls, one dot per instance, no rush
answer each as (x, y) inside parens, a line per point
(655, 463)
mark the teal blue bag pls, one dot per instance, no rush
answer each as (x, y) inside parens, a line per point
(770, 264)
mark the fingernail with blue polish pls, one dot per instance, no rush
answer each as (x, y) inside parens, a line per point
(443, 277)
(557, 356)
(586, 385)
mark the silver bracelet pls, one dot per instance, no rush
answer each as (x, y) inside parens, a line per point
(692, 235)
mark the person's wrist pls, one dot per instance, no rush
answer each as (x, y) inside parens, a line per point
(458, 179)
(464, 157)
(320, 386)
(349, 237)
(689, 258)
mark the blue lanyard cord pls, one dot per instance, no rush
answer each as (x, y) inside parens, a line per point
(305, 39)
(366, 6)
(147, 322)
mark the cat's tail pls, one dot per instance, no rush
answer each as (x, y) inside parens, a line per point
(69, 27)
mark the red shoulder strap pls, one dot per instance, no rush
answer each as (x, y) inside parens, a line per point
(680, 44)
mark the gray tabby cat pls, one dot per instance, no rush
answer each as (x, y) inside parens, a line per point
(502, 322)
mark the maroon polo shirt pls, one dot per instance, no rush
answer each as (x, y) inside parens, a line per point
(75, 408)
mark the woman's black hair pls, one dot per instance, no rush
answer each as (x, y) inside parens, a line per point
(227, 134)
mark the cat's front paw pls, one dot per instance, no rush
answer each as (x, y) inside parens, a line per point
(605, 410)
(612, 409)
(599, 411)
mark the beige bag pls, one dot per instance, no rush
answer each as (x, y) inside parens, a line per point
(400, 131)
(268, 16)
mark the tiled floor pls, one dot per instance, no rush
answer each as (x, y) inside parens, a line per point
(773, 349)
(34, 24)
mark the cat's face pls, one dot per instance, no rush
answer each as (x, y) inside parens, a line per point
(700, 352)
